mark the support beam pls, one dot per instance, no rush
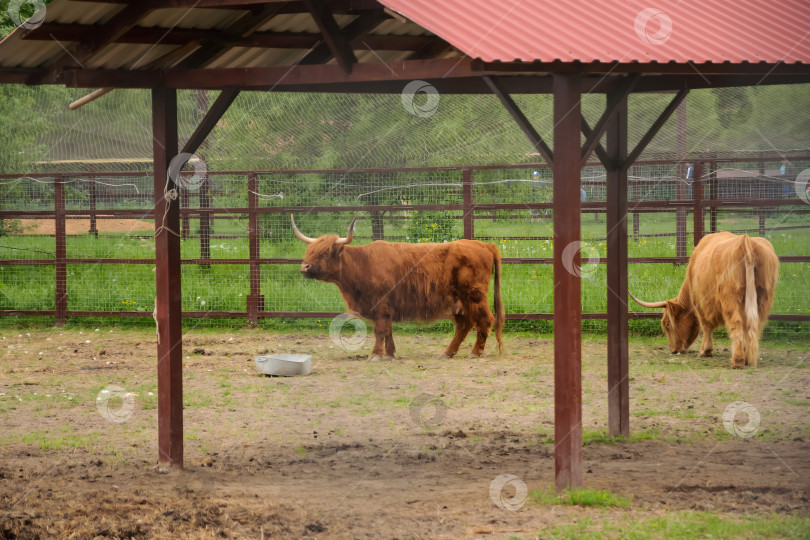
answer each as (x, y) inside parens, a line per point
(61, 250)
(600, 151)
(567, 287)
(617, 310)
(523, 122)
(330, 30)
(209, 121)
(592, 140)
(167, 268)
(657, 125)
(354, 31)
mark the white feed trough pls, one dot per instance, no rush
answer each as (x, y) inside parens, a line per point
(285, 365)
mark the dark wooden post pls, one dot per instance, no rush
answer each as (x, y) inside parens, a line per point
(168, 314)
(467, 194)
(617, 316)
(698, 188)
(760, 195)
(184, 203)
(712, 174)
(61, 250)
(255, 300)
(91, 184)
(205, 218)
(680, 212)
(567, 303)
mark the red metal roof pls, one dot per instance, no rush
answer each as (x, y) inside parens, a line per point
(625, 31)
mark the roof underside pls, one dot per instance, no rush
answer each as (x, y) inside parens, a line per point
(375, 46)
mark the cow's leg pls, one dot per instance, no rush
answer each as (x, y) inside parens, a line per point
(484, 319)
(463, 326)
(734, 325)
(707, 345)
(383, 339)
(390, 349)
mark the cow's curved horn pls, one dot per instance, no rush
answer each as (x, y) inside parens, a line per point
(660, 304)
(349, 235)
(301, 236)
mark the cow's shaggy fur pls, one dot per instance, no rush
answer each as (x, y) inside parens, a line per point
(730, 281)
(388, 282)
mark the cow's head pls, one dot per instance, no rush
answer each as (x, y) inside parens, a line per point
(322, 258)
(678, 322)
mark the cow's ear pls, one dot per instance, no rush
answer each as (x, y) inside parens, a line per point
(674, 308)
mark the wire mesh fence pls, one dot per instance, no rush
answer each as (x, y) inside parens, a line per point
(83, 243)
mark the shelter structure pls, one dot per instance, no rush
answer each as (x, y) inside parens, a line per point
(502, 47)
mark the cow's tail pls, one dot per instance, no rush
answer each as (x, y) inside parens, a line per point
(500, 312)
(751, 324)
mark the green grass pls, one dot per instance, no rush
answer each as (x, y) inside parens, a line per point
(579, 497)
(683, 525)
(526, 288)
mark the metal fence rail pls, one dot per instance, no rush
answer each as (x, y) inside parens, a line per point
(80, 244)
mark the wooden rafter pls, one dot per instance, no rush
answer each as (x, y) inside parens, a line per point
(107, 33)
(275, 40)
(592, 139)
(243, 27)
(656, 126)
(332, 36)
(525, 125)
(355, 33)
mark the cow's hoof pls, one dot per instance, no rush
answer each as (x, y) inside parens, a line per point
(444, 357)
(708, 353)
(374, 358)
(737, 363)
(473, 356)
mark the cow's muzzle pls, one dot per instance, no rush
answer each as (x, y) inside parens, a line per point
(307, 269)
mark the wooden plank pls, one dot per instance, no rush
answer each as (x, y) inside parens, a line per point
(354, 32)
(255, 300)
(209, 121)
(617, 271)
(525, 125)
(167, 268)
(568, 469)
(598, 149)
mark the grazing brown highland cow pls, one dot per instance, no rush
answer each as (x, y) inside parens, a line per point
(388, 282)
(730, 281)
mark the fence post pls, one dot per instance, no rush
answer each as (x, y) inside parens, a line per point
(760, 195)
(61, 267)
(184, 203)
(92, 187)
(680, 213)
(255, 300)
(697, 196)
(467, 194)
(712, 173)
(205, 219)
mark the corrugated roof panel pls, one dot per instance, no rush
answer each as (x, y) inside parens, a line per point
(128, 56)
(608, 31)
(81, 12)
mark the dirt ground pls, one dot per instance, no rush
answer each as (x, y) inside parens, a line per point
(407, 448)
(82, 226)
